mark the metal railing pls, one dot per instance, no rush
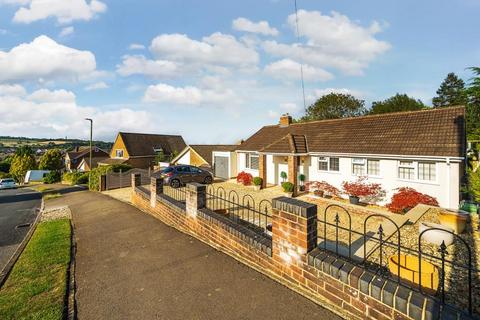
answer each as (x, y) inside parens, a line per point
(179, 194)
(241, 209)
(377, 251)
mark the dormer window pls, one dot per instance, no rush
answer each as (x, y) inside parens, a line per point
(119, 153)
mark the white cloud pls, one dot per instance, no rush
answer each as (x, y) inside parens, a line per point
(97, 86)
(287, 107)
(15, 2)
(66, 31)
(288, 69)
(45, 59)
(136, 46)
(138, 64)
(65, 11)
(56, 114)
(189, 95)
(12, 90)
(333, 41)
(216, 49)
(262, 27)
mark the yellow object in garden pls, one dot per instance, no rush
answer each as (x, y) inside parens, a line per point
(409, 272)
(457, 220)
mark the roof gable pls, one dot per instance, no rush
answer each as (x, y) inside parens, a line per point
(141, 144)
(437, 132)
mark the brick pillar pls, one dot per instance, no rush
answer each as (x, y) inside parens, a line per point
(293, 172)
(103, 182)
(196, 198)
(294, 230)
(156, 188)
(262, 169)
(136, 179)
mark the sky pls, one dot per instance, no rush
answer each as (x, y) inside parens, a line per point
(216, 71)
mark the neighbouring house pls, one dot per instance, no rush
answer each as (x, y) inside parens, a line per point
(85, 163)
(424, 150)
(75, 157)
(141, 150)
(207, 155)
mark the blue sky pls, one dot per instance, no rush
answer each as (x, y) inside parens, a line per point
(216, 71)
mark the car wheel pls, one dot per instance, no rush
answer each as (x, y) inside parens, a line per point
(175, 183)
(207, 180)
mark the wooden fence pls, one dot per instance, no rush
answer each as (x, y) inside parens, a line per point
(115, 180)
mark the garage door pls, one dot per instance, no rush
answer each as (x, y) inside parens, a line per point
(221, 167)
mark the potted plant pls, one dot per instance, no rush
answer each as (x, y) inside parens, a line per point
(244, 178)
(288, 188)
(301, 178)
(257, 183)
(322, 188)
(283, 175)
(360, 188)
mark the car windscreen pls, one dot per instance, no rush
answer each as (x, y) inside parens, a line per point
(167, 170)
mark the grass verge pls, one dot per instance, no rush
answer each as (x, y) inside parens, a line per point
(36, 287)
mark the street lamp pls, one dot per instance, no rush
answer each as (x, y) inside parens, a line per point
(91, 135)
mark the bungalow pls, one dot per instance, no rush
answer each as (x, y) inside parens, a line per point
(75, 157)
(140, 149)
(424, 150)
(202, 155)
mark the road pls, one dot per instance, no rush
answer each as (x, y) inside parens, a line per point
(130, 265)
(17, 210)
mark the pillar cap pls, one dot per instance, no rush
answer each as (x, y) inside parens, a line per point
(198, 187)
(294, 206)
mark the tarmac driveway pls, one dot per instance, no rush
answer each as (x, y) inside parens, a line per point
(132, 266)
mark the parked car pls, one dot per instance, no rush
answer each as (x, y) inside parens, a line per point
(7, 183)
(179, 175)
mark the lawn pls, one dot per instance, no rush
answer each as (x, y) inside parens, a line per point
(36, 287)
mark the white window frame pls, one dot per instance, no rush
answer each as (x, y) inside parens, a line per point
(379, 170)
(248, 161)
(327, 160)
(116, 153)
(364, 163)
(416, 176)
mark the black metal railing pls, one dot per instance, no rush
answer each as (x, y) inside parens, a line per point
(179, 194)
(241, 209)
(389, 256)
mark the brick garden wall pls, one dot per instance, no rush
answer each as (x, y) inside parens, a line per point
(291, 256)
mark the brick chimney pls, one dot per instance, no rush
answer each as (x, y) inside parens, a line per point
(285, 120)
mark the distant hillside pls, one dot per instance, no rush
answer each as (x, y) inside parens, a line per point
(7, 142)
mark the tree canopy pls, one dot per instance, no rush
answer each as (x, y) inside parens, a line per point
(51, 160)
(473, 106)
(333, 106)
(397, 103)
(20, 165)
(451, 92)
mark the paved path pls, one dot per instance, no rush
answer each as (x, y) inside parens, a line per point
(17, 208)
(132, 266)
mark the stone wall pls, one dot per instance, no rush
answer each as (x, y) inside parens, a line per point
(292, 258)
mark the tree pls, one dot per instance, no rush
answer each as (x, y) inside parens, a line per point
(25, 150)
(397, 103)
(451, 92)
(333, 106)
(51, 160)
(5, 164)
(473, 106)
(20, 165)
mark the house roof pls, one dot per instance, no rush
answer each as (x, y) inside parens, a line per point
(205, 150)
(433, 132)
(109, 161)
(85, 150)
(142, 144)
(95, 161)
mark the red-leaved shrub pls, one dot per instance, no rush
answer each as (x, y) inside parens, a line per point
(323, 186)
(407, 198)
(244, 178)
(361, 188)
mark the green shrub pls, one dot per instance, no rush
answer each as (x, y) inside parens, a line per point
(74, 178)
(52, 177)
(257, 181)
(283, 175)
(4, 175)
(287, 186)
(94, 183)
(121, 167)
(474, 184)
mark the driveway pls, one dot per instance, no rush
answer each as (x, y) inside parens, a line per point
(132, 266)
(17, 210)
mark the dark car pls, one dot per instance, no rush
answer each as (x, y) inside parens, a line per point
(179, 175)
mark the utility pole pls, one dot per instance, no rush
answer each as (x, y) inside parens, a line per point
(91, 136)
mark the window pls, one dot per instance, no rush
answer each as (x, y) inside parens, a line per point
(119, 153)
(373, 167)
(251, 161)
(328, 164)
(358, 166)
(406, 170)
(426, 171)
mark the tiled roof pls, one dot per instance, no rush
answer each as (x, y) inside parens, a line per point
(205, 150)
(142, 144)
(288, 144)
(435, 132)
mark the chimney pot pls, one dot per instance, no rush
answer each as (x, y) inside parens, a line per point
(285, 120)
